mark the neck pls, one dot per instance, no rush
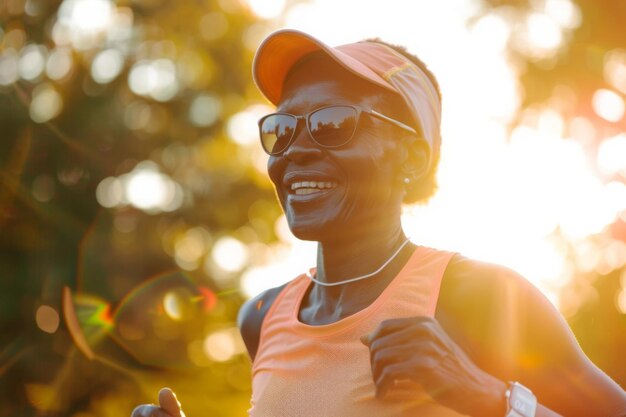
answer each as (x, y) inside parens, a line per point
(356, 255)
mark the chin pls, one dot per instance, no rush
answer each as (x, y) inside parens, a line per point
(303, 230)
(326, 228)
(312, 226)
(307, 235)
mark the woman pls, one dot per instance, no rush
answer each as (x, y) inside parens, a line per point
(381, 325)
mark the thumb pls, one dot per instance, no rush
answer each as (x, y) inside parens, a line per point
(169, 403)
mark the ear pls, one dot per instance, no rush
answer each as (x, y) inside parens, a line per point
(416, 164)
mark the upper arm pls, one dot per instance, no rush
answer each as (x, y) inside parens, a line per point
(251, 316)
(513, 332)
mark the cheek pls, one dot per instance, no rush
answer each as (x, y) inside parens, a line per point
(274, 171)
(372, 165)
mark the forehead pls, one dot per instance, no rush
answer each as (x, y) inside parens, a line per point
(318, 80)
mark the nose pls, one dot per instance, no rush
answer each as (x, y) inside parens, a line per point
(303, 148)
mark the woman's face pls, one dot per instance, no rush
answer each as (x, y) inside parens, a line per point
(357, 187)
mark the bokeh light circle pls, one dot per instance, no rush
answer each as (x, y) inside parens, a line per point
(47, 319)
(32, 62)
(230, 254)
(59, 63)
(9, 67)
(107, 65)
(204, 110)
(46, 103)
(608, 104)
(110, 192)
(156, 79)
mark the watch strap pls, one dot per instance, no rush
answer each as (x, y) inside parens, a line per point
(521, 402)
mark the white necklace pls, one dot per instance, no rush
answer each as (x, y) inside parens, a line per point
(371, 274)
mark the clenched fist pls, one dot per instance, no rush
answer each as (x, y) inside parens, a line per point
(168, 406)
(418, 349)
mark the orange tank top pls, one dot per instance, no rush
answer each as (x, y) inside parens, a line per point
(324, 371)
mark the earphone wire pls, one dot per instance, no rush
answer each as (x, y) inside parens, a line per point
(371, 274)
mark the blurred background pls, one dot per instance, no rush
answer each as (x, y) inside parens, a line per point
(136, 215)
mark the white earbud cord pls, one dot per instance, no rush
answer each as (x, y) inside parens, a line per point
(371, 274)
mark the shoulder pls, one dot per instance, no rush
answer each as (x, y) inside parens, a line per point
(512, 331)
(471, 283)
(251, 315)
(498, 312)
(485, 287)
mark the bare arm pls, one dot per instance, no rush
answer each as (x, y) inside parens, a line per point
(491, 327)
(511, 331)
(251, 316)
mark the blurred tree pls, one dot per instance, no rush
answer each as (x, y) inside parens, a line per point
(571, 58)
(141, 93)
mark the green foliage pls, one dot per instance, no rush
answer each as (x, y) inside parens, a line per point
(54, 233)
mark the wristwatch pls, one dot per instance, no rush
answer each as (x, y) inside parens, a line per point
(521, 402)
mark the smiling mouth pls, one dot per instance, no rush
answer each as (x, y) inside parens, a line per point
(310, 187)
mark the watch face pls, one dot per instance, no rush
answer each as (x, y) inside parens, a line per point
(522, 401)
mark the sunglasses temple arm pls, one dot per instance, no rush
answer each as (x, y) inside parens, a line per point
(393, 121)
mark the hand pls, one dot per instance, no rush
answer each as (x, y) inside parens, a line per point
(418, 349)
(168, 406)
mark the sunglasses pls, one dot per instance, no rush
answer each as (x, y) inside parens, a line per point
(329, 127)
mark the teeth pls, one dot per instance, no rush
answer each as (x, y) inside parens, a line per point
(305, 191)
(311, 186)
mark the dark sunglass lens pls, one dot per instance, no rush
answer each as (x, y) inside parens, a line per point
(333, 126)
(276, 132)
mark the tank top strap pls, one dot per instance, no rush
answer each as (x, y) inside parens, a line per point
(419, 283)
